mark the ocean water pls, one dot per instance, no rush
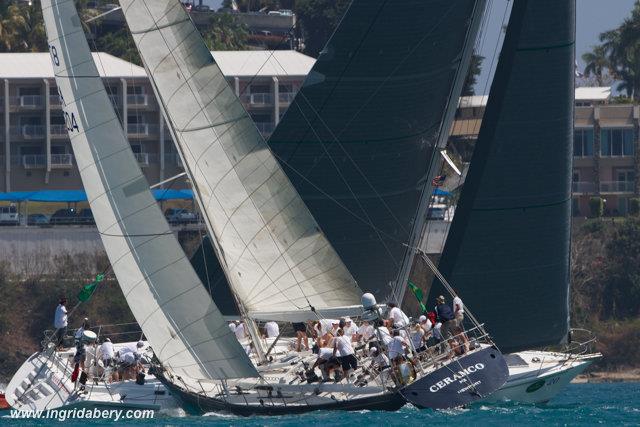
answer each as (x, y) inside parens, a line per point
(579, 404)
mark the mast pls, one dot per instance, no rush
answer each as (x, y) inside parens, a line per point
(443, 137)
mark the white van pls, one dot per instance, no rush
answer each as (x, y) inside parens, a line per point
(9, 215)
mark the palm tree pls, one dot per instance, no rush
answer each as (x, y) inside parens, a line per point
(12, 28)
(225, 32)
(598, 64)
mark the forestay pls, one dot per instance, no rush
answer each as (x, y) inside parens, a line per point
(273, 252)
(508, 251)
(168, 300)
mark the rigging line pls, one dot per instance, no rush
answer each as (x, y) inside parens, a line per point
(355, 198)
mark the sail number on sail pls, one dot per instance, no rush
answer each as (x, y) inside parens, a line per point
(69, 118)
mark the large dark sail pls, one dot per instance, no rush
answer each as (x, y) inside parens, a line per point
(358, 138)
(508, 251)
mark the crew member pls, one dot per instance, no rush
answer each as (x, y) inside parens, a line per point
(272, 329)
(301, 334)
(60, 322)
(344, 351)
(400, 319)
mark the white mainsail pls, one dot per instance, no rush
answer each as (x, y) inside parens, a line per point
(174, 310)
(273, 252)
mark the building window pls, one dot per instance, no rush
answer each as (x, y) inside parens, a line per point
(616, 142)
(258, 88)
(29, 91)
(583, 143)
(625, 175)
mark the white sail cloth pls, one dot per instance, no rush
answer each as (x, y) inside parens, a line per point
(184, 326)
(272, 250)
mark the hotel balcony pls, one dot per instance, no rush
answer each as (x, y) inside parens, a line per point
(138, 101)
(142, 130)
(61, 161)
(617, 187)
(257, 99)
(26, 102)
(28, 131)
(583, 187)
(34, 161)
(59, 132)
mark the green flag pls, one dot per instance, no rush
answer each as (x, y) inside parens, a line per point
(87, 290)
(418, 294)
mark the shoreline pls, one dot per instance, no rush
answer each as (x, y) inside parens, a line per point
(628, 375)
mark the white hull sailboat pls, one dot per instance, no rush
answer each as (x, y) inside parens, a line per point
(44, 382)
(274, 255)
(535, 377)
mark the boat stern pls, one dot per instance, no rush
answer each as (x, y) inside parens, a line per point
(459, 382)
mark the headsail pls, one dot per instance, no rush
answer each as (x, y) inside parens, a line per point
(357, 140)
(184, 326)
(272, 250)
(507, 252)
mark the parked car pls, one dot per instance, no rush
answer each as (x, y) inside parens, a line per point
(180, 216)
(201, 8)
(38, 219)
(64, 216)
(85, 217)
(9, 215)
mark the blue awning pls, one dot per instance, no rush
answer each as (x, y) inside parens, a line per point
(75, 196)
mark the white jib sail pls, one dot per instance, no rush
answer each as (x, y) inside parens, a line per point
(274, 254)
(184, 326)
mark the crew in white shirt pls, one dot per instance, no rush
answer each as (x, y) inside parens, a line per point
(400, 320)
(366, 331)
(232, 327)
(396, 347)
(417, 338)
(240, 331)
(349, 329)
(458, 310)
(272, 329)
(60, 321)
(344, 351)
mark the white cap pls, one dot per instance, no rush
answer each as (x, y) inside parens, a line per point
(422, 318)
(373, 350)
(347, 319)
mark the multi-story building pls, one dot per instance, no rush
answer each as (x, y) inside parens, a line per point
(35, 151)
(606, 150)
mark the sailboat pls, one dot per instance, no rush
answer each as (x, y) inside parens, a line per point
(508, 249)
(274, 255)
(171, 306)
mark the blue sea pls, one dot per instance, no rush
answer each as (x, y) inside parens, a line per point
(579, 404)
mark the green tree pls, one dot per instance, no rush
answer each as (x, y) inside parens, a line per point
(226, 32)
(621, 46)
(472, 76)
(22, 28)
(120, 44)
(597, 64)
(318, 19)
(622, 274)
